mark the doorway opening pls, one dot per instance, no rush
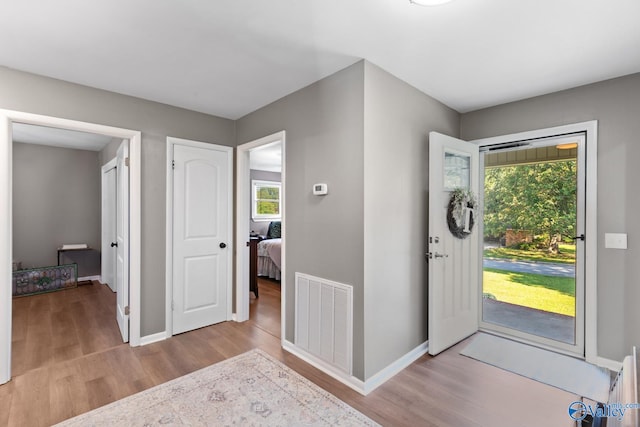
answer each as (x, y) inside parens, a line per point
(533, 198)
(7, 121)
(260, 274)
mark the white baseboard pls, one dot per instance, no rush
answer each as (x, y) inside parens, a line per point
(325, 367)
(150, 339)
(82, 279)
(362, 387)
(385, 374)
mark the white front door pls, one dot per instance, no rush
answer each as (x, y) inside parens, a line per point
(109, 225)
(453, 261)
(122, 240)
(201, 235)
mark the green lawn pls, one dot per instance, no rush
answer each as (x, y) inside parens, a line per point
(567, 254)
(554, 294)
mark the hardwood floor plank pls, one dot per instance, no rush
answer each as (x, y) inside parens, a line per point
(84, 365)
(30, 401)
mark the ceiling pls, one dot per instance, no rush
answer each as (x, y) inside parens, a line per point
(42, 135)
(231, 57)
(266, 158)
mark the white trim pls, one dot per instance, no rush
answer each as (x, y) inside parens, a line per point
(394, 368)
(243, 214)
(92, 278)
(171, 142)
(5, 246)
(348, 380)
(362, 387)
(7, 117)
(150, 339)
(590, 129)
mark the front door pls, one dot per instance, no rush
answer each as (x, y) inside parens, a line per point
(453, 250)
(534, 240)
(201, 235)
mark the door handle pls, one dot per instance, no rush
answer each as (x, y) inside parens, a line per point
(580, 237)
(223, 245)
(114, 244)
(432, 255)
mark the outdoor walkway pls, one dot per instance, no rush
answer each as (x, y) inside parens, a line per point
(542, 323)
(544, 268)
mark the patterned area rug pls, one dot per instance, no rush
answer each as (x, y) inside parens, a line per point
(250, 389)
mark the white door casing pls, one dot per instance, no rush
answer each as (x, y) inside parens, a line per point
(201, 232)
(589, 265)
(109, 205)
(243, 215)
(453, 262)
(7, 118)
(122, 240)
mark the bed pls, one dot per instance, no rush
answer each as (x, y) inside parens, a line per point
(270, 253)
(269, 258)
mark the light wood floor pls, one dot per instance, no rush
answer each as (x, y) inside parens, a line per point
(69, 363)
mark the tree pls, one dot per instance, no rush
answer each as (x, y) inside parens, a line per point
(540, 197)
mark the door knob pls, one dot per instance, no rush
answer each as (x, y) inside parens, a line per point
(114, 244)
(223, 245)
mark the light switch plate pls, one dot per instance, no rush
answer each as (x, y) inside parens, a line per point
(615, 240)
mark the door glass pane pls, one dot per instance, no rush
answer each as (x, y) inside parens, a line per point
(456, 171)
(529, 262)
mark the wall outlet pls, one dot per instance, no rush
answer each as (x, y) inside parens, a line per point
(615, 240)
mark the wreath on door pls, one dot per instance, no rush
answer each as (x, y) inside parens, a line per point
(460, 212)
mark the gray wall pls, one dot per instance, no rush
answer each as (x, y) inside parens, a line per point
(398, 119)
(109, 152)
(261, 227)
(56, 200)
(324, 125)
(40, 95)
(616, 105)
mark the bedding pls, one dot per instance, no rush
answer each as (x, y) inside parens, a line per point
(270, 258)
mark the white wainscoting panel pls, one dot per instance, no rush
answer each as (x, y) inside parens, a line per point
(324, 320)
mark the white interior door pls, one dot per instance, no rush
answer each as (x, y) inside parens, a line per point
(109, 225)
(122, 240)
(201, 235)
(453, 262)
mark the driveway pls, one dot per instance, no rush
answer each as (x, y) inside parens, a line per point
(543, 268)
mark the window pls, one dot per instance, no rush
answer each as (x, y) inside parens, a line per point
(265, 200)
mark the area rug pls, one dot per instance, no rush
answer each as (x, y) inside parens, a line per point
(250, 389)
(557, 370)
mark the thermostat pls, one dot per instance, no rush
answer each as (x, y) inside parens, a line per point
(320, 189)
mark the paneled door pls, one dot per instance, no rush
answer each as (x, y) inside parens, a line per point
(201, 235)
(453, 261)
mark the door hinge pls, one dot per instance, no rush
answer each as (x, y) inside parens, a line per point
(172, 306)
(126, 161)
(126, 311)
(173, 164)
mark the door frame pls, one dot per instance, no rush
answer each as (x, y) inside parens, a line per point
(7, 118)
(171, 142)
(590, 130)
(243, 214)
(105, 244)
